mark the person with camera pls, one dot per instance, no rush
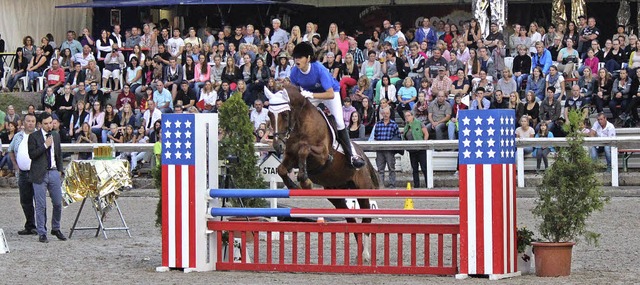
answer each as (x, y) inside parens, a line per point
(568, 59)
(113, 64)
(45, 174)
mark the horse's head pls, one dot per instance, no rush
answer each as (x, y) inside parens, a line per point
(280, 117)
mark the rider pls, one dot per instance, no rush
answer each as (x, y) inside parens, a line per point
(316, 83)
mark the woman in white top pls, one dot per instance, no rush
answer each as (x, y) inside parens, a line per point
(137, 52)
(134, 74)
(96, 118)
(525, 131)
(534, 36)
(208, 96)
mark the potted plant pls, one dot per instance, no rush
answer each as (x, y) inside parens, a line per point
(524, 239)
(568, 195)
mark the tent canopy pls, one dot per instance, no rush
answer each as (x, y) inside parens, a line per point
(138, 3)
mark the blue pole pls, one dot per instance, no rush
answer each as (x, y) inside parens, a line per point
(248, 193)
(250, 212)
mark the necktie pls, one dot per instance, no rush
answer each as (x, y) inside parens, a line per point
(49, 150)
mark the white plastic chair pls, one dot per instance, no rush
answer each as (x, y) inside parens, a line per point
(41, 80)
(508, 62)
(7, 73)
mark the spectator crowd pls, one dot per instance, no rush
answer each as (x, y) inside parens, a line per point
(113, 86)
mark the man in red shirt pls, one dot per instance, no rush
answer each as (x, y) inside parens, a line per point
(55, 76)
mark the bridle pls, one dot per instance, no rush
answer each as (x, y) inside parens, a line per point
(282, 136)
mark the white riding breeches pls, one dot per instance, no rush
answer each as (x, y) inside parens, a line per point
(335, 107)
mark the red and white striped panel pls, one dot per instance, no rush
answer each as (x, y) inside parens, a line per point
(488, 219)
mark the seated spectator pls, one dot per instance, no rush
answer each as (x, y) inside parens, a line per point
(452, 125)
(84, 57)
(361, 91)
(208, 97)
(202, 74)
(96, 95)
(485, 84)
(186, 96)
(530, 108)
(525, 131)
(550, 109)
(113, 65)
(621, 94)
(110, 116)
(96, 118)
(92, 74)
(614, 58)
(500, 101)
(151, 118)
(603, 128)
(76, 77)
(521, 65)
(134, 75)
(126, 97)
(138, 158)
(173, 76)
(368, 115)
(604, 86)
(537, 84)
(126, 117)
(78, 117)
(163, 99)
(568, 59)
(541, 58)
(556, 80)
(541, 153)
(592, 62)
(406, 97)
(587, 84)
(434, 64)
(461, 86)
(387, 92)
(49, 99)
(479, 100)
(576, 102)
(453, 66)
(442, 82)
(356, 128)
(55, 76)
(507, 83)
(5, 159)
(64, 106)
(85, 135)
(258, 115)
(439, 114)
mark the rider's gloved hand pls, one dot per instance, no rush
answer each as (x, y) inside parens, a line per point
(306, 94)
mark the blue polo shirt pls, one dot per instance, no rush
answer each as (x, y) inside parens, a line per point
(318, 79)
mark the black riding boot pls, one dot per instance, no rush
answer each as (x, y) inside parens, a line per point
(343, 139)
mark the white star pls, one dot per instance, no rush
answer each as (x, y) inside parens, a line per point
(187, 144)
(178, 155)
(501, 131)
(478, 120)
(167, 124)
(513, 142)
(466, 142)
(491, 142)
(187, 135)
(187, 155)
(501, 120)
(178, 124)
(187, 124)
(490, 120)
(178, 134)
(501, 143)
(511, 121)
(465, 121)
(478, 132)
(478, 142)
(511, 131)
(491, 131)
(478, 154)
(178, 144)
(491, 153)
(167, 135)
(167, 144)
(502, 153)
(467, 154)
(511, 153)
(167, 155)
(466, 132)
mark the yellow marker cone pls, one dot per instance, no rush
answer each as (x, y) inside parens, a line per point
(408, 203)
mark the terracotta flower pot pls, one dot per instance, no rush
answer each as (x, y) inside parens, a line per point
(552, 259)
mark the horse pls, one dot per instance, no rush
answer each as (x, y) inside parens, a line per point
(304, 137)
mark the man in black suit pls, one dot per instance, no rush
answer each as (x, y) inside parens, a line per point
(45, 173)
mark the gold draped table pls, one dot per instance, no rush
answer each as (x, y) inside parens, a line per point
(99, 181)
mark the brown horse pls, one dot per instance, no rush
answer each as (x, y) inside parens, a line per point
(303, 134)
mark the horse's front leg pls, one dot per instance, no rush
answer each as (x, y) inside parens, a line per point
(303, 176)
(283, 170)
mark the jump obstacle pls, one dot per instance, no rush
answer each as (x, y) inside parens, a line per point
(193, 234)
